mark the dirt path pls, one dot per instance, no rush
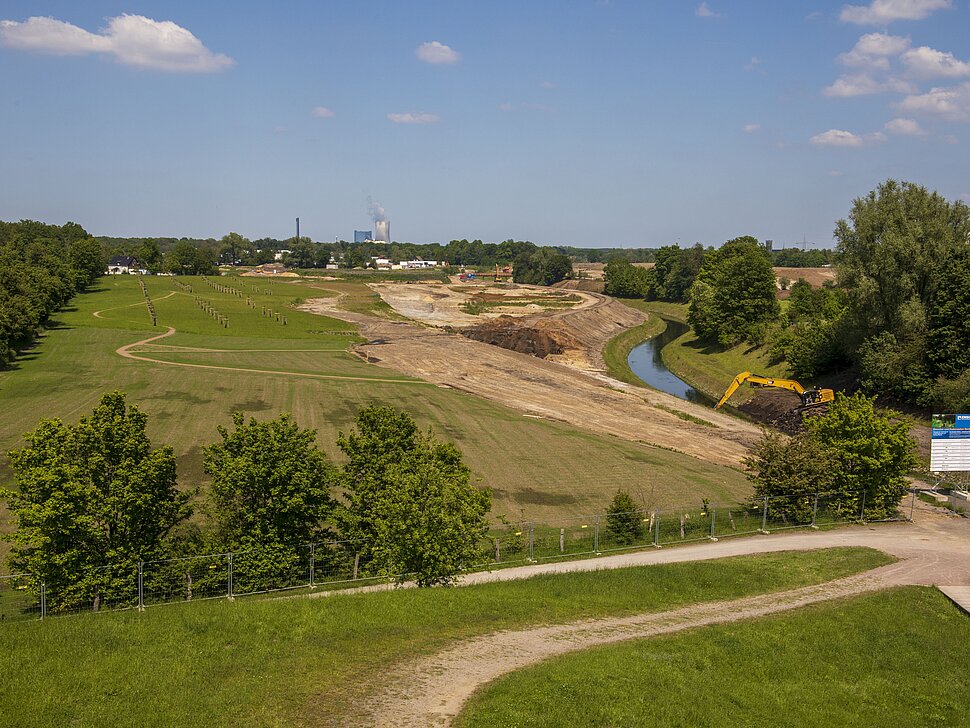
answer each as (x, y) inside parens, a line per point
(97, 314)
(126, 352)
(547, 389)
(431, 690)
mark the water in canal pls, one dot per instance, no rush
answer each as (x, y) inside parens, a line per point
(646, 363)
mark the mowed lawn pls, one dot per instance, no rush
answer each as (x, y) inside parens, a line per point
(536, 469)
(893, 658)
(314, 661)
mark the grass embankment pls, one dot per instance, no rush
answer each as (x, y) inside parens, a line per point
(300, 661)
(710, 369)
(891, 658)
(617, 350)
(537, 469)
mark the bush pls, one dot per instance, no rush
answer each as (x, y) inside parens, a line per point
(624, 519)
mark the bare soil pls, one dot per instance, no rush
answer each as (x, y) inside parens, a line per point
(573, 389)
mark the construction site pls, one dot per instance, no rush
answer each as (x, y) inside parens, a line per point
(539, 351)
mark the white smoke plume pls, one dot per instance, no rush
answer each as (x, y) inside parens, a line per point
(375, 210)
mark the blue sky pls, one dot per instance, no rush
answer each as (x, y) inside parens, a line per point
(596, 122)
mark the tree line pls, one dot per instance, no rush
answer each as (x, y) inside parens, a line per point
(41, 268)
(896, 319)
(98, 493)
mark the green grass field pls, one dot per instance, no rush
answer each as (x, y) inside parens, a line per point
(891, 658)
(536, 469)
(297, 661)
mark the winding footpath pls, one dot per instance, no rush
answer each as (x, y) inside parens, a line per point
(431, 690)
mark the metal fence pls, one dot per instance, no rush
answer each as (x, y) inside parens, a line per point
(338, 564)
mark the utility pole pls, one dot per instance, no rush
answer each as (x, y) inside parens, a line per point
(297, 229)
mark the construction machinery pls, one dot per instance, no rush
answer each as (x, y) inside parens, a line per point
(810, 397)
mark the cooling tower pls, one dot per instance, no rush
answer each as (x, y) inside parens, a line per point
(382, 231)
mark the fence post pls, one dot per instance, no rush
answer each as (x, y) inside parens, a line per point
(912, 503)
(656, 530)
(312, 563)
(229, 584)
(764, 518)
(43, 600)
(532, 552)
(713, 519)
(498, 551)
(562, 540)
(141, 586)
(356, 564)
(596, 534)
(862, 511)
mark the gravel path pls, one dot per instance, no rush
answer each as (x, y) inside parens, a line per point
(431, 690)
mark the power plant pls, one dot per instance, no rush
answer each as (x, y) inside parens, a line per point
(382, 231)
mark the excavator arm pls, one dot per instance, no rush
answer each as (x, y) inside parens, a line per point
(809, 397)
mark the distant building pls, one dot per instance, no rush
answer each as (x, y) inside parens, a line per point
(278, 255)
(418, 263)
(363, 236)
(381, 263)
(769, 245)
(124, 265)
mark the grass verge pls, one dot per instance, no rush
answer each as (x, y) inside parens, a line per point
(298, 661)
(617, 350)
(891, 658)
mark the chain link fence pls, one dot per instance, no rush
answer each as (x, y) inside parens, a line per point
(336, 564)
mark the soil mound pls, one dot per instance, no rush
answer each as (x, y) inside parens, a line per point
(540, 341)
(781, 410)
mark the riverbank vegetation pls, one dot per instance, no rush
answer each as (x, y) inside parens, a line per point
(894, 323)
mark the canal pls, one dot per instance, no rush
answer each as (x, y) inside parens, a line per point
(647, 363)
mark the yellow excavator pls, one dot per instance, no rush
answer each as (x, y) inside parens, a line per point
(810, 397)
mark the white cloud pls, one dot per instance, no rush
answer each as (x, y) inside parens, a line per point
(322, 112)
(704, 11)
(904, 127)
(873, 50)
(951, 103)
(862, 84)
(841, 138)
(752, 64)
(883, 12)
(133, 40)
(751, 128)
(835, 173)
(414, 118)
(547, 84)
(925, 62)
(506, 106)
(435, 52)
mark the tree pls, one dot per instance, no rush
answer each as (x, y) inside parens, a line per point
(542, 267)
(625, 280)
(733, 298)
(789, 472)
(872, 454)
(232, 247)
(93, 499)
(624, 519)
(270, 483)
(410, 503)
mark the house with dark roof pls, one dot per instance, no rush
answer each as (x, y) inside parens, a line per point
(124, 265)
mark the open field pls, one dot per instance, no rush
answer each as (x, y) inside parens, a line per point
(300, 661)
(538, 469)
(890, 658)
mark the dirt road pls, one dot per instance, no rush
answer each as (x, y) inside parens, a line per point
(431, 690)
(548, 389)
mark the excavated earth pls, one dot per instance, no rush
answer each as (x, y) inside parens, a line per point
(569, 387)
